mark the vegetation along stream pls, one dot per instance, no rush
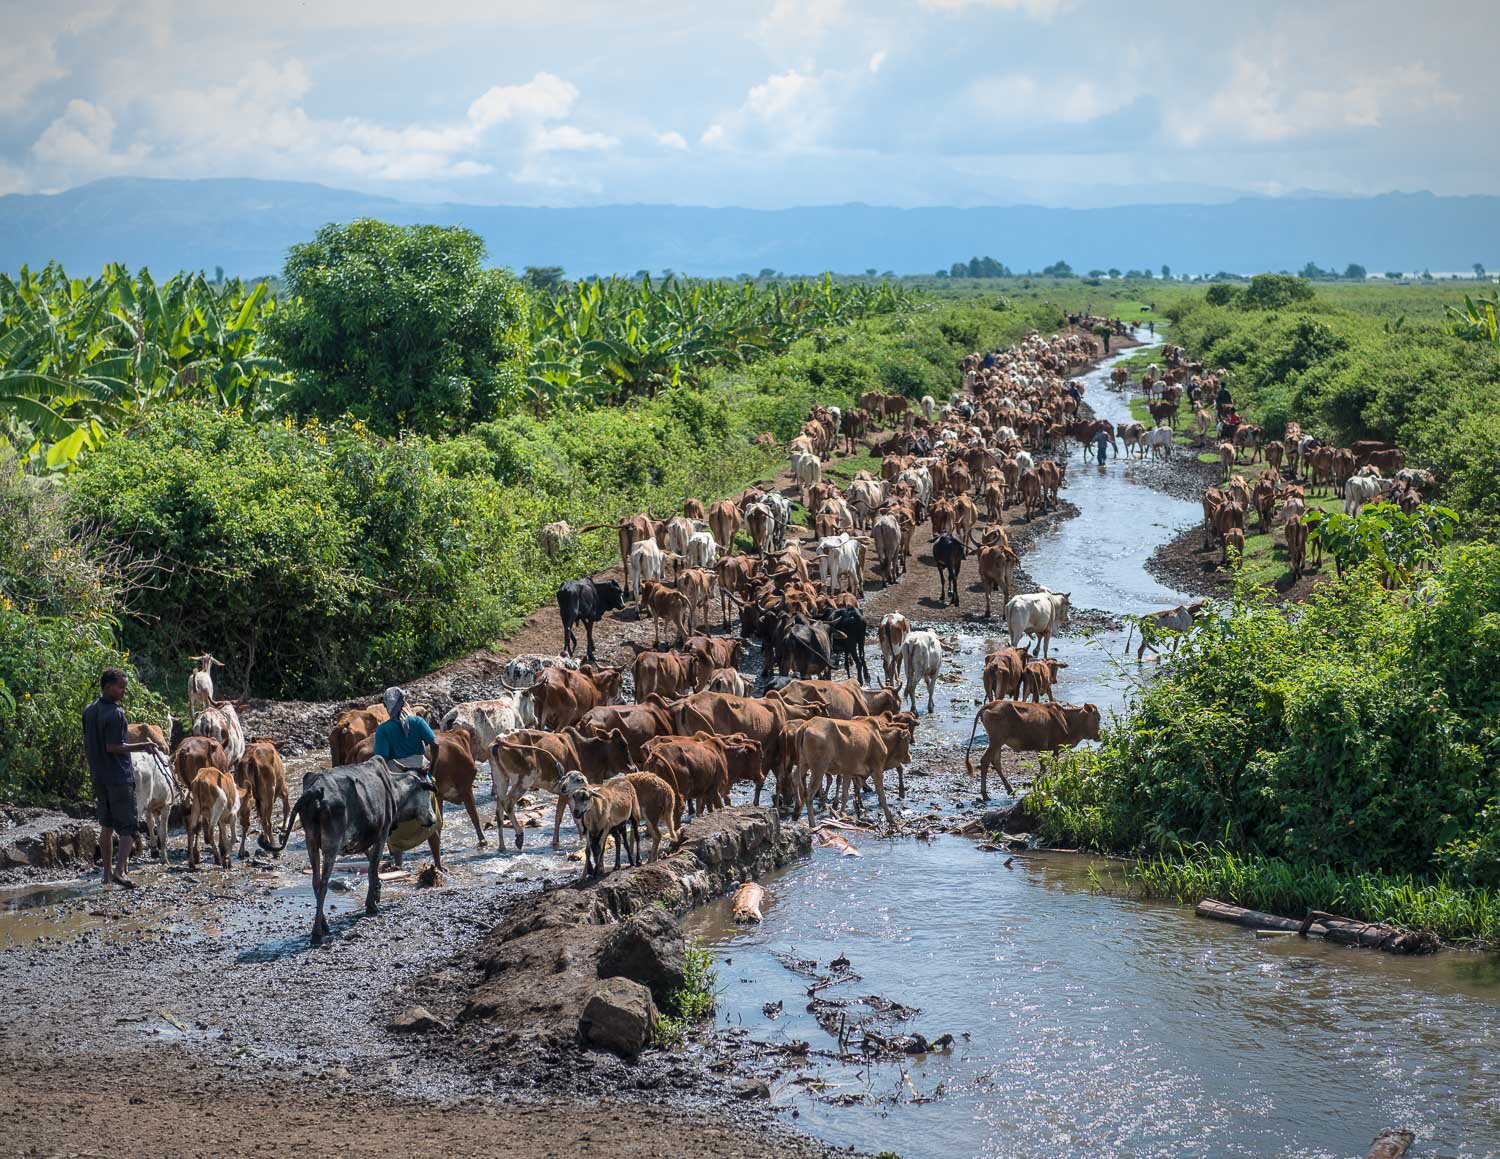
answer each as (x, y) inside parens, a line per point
(1081, 1017)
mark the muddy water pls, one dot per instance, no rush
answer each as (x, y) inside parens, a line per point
(1083, 1021)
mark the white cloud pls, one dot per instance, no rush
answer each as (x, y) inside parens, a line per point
(671, 139)
(570, 139)
(877, 61)
(82, 141)
(1027, 99)
(1265, 101)
(1034, 9)
(543, 98)
(799, 25)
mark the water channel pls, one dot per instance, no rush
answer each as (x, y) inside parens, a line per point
(1083, 1021)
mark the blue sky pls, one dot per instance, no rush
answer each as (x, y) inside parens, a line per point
(776, 103)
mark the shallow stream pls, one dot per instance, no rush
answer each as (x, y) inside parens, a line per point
(1083, 1021)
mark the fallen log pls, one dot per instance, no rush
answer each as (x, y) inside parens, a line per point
(1343, 931)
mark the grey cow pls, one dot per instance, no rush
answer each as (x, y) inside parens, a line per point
(361, 809)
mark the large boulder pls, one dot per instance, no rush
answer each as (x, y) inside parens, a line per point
(648, 948)
(619, 1016)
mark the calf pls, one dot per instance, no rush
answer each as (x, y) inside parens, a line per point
(1037, 679)
(524, 762)
(1004, 673)
(213, 799)
(660, 806)
(602, 811)
(666, 606)
(261, 777)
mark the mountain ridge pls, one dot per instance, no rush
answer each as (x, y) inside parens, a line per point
(246, 225)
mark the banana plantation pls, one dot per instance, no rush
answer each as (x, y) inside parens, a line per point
(83, 358)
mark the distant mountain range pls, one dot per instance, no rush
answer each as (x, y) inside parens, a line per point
(245, 226)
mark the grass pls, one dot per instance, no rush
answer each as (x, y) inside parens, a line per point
(1458, 915)
(694, 1001)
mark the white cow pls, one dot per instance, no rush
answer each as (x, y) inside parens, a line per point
(1025, 461)
(919, 479)
(484, 720)
(1159, 439)
(1038, 615)
(923, 657)
(701, 550)
(554, 537)
(839, 556)
(1170, 622)
(647, 562)
(155, 790)
(929, 404)
(893, 632)
(1360, 490)
(807, 469)
(679, 529)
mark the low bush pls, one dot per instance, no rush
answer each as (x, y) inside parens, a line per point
(1361, 733)
(57, 633)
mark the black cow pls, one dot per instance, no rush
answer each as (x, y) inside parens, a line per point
(585, 601)
(948, 553)
(847, 633)
(361, 809)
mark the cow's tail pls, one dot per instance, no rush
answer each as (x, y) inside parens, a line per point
(968, 748)
(310, 804)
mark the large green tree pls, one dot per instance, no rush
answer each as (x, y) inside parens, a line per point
(400, 326)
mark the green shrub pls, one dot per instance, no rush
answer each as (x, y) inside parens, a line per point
(1360, 734)
(57, 634)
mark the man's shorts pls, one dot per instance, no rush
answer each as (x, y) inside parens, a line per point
(117, 808)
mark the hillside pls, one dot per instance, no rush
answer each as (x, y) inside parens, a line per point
(246, 225)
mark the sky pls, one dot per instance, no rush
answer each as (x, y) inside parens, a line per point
(766, 104)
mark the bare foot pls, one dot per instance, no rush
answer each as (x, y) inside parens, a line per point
(123, 882)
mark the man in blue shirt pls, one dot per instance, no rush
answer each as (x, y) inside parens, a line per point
(405, 738)
(108, 749)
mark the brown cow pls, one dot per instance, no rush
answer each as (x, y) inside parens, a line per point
(1234, 541)
(560, 695)
(1004, 670)
(851, 749)
(1038, 678)
(138, 732)
(841, 699)
(718, 713)
(1028, 728)
(697, 584)
(638, 722)
(724, 522)
(1031, 492)
(696, 766)
(213, 800)
(261, 776)
(1387, 462)
(666, 605)
(1296, 545)
(198, 752)
(668, 674)
(527, 761)
(350, 728)
(997, 565)
(708, 653)
(453, 770)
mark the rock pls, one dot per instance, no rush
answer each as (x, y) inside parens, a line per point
(431, 877)
(416, 1020)
(619, 1016)
(750, 1089)
(647, 948)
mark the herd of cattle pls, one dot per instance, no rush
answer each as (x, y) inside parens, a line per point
(682, 725)
(1368, 471)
